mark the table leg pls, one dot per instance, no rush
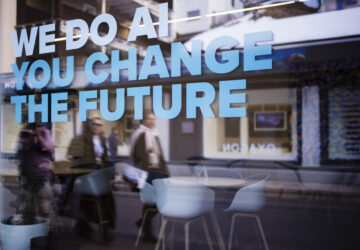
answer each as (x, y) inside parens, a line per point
(219, 237)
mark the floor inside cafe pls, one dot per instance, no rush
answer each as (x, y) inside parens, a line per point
(310, 223)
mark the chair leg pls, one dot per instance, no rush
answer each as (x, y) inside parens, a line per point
(279, 197)
(101, 221)
(258, 223)
(214, 221)
(142, 225)
(306, 205)
(231, 231)
(164, 241)
(172, 233)
(328, 208)
(76, 209)
(299, 201)
(161, 233)
(207, 234)
(262, 232)
(187, 229)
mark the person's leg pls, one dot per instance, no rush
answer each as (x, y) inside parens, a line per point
(46, 198)
(46, 204)
(155, 175)
(80, 214)
(148, 234)
(66, 192)
(29, 204)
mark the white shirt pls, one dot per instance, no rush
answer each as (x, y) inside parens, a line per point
(98, 148)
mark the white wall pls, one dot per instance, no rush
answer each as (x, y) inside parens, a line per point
(163, 126)
(225, 5)
(7, 24)
(268, 96)
(182, 7)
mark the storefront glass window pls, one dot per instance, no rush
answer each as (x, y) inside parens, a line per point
(268, 132)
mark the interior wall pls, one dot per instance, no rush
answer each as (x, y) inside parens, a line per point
(183, 145)
(7, 24)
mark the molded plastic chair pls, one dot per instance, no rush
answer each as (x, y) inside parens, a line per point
(147, 197)
(322, 184)
(180, 201)
(249, 199)
(91, 187)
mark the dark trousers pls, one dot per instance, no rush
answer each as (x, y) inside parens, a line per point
(148, 220)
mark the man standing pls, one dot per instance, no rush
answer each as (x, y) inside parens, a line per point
(146, 153)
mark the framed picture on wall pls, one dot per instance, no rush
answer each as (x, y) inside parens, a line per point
(187, 127)
(270, 121)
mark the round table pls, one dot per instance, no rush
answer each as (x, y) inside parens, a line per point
(7, 172)
(212, 181)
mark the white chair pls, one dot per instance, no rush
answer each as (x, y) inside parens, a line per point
(147, 197)
(287, 182)
(321, 186)
(91, 187)
(183, 202)
(248, 200)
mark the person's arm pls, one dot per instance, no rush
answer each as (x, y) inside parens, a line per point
(45, 139)
(76, 148)
(141, 156)
(26, 141)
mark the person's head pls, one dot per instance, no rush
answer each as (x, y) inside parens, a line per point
(149, 119)
(96, 126)
(114, 130)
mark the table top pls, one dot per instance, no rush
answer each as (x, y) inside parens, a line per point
(9, 172)
(68, 171)
(212, 181)
(58, 169)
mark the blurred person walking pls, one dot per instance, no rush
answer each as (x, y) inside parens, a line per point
(146, 154)
(35, 154)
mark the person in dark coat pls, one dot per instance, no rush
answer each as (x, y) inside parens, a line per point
(146, 154)
(113, 146)
(89, 150)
